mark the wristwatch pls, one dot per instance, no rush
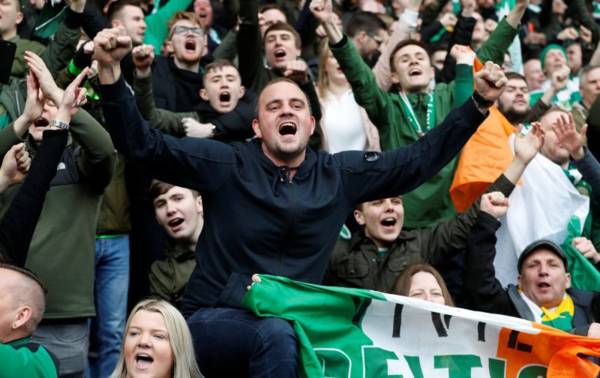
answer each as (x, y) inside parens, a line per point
(59, 124)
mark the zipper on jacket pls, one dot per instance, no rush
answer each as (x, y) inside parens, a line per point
(284, 174)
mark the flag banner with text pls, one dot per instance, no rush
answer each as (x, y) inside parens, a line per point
(347, 333)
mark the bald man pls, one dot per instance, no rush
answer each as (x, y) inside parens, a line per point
(21, 310)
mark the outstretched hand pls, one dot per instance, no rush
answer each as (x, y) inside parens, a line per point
(586, 248)
(44, 77)
(34, 104)
(72, 98)
(110, 47)
(463, 54)
(568, 136)
(15, 166)
(142, 57)
(490, 81)
(322, 10)
(495, 204)
(527, 146)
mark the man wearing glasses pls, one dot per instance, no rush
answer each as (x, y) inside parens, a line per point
(367, 32)
(177, 79)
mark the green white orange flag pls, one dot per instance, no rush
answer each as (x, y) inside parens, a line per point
(348, 333)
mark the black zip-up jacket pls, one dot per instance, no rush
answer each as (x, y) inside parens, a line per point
(257, 219)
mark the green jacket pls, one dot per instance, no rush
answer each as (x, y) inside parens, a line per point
(169, 276)
(357, 263)
(22, 358)
(63, 246)
(431, 201)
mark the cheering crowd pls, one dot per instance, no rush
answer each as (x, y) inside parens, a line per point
(159, 155)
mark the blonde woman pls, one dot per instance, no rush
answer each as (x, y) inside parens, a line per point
(157, 343)
(345, 124)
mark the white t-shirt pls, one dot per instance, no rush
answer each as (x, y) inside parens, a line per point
(342, 123)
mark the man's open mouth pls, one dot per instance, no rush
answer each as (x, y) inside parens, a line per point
(225, 97)
(415, 72)
(280, 53)
(190, 45)
(41, 122)
(287, 128)
(388, 222)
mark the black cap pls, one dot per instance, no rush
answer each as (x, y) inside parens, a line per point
(542, 243)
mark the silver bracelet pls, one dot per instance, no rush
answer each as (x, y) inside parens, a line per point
(59, 124)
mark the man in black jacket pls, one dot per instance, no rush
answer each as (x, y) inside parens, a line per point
(272, 206)
(543, 293)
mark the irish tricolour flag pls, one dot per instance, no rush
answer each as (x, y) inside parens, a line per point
(347, 333)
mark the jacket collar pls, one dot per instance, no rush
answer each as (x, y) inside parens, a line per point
(303, 170)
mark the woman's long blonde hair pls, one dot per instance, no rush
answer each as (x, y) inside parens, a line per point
(180, 338)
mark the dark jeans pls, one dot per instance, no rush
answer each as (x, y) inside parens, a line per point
(233, 342)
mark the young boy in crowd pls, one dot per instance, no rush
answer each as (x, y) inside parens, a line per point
(226, 111)
(179, 211)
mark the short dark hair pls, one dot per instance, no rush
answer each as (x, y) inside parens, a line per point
(515, 76)
(401, 45)
(218, 64)
(286, 27)
(117, 6)
(280, 80)
(158, 188)
(368, 22)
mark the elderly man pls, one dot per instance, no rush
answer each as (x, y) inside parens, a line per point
(589, 85)
(554, 62)
(285, 201)
(543, 293)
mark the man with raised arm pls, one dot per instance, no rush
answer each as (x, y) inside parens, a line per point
(285, 202)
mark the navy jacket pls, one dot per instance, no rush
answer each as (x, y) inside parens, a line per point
(256, 219)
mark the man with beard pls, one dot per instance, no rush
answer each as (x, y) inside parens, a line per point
(514, 102)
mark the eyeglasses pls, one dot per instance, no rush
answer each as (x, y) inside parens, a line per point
(179, 29)
(376, 38)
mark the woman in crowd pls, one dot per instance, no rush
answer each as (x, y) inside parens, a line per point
(345, 124)
(423, 281)
(157, 343)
